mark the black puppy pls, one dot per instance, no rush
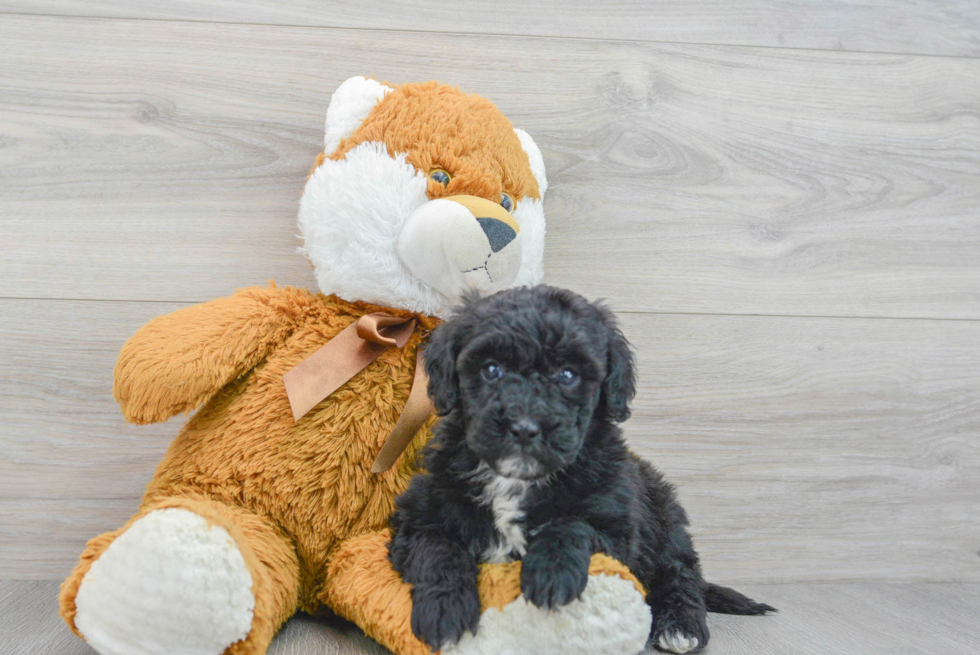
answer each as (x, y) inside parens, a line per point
(528, 464)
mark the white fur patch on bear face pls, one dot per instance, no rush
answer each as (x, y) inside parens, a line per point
(353, 213)
(350, 216)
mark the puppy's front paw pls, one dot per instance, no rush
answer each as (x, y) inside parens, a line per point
(680, 630)
(553, 582)
(440, 616)
(677, 642)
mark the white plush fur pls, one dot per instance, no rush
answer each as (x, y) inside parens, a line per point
(444, 246)
(352, 213)
(534, 156)
(529, 214)
(349, 106)
(170, 584)
(611, 618)
(350, 216)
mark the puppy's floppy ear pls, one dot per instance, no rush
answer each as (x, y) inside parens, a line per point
(619, 387)
(441, 351)
(440, 355)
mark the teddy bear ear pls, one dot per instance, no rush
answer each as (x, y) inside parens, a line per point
(349, 106)
(537, 161)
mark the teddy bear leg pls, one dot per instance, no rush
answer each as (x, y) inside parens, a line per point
(362, 587)
(611, 618)
(186, 575)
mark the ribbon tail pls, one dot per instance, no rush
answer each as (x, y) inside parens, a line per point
(418, 409)
(343, 357)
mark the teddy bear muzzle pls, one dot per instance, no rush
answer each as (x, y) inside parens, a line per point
(461, 243)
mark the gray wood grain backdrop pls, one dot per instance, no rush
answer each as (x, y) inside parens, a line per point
(782, 199)
(816, 619)
(940, 27)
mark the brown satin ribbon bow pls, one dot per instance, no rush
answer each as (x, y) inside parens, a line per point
(343, 357)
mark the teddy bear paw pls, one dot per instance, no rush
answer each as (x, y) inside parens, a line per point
(171, 583)
(610, 618)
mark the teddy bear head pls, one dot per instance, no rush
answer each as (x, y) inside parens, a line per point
(422, 194)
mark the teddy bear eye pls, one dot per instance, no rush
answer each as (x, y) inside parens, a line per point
(491, 371)
(506, 202)
(440, 176)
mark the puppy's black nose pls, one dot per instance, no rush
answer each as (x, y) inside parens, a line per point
(525, 429)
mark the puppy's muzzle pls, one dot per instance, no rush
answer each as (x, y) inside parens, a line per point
(525, 430)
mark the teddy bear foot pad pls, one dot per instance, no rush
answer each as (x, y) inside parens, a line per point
(611, 618)
(171, 583)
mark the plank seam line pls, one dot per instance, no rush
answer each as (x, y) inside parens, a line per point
(632, 312)
(807, 316)
(856, 582)
(488, 34)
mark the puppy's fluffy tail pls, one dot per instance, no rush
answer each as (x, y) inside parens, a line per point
(728, 601)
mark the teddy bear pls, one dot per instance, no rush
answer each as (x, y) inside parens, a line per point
(273, 500)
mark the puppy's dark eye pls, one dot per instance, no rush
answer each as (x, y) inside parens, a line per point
(506, 202)
(440, 176)
(567, 377)
(491, 372)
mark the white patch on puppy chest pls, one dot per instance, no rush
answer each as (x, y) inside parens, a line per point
(518, 467)
(503, 496)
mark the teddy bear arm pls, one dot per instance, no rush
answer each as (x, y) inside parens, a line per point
(178, 361)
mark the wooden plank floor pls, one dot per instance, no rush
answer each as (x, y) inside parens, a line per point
(684, 178)
(782, 199)
(947, 27)
(799, 452)
(814, 619)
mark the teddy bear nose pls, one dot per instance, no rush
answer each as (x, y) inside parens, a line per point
(499, 234)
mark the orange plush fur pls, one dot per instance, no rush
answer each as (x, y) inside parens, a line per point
(481, 150)
(291, 491)
(299, 498)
